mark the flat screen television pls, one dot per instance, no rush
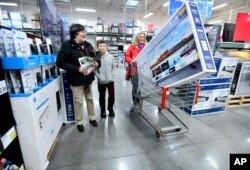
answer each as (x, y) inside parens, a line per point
(228, 32)
(242, 27)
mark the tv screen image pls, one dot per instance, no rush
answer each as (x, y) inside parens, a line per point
(242, 27)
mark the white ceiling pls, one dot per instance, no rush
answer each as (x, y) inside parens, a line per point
(226, 14)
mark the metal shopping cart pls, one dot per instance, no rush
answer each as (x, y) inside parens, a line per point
(159, 107)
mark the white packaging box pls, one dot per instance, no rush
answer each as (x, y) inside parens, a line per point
(16, 81)
(27, 81)
(49, 46)
(46, 73)
(2, 48)
(38, 44)
(178, 54)
(37, 76)
(21, 44)
(8, 43)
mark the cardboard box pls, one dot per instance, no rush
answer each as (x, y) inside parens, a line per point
(8, 43)
(178, 54)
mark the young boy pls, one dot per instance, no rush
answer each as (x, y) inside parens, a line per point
(105, 75)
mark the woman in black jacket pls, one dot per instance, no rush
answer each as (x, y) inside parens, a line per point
(79, 78)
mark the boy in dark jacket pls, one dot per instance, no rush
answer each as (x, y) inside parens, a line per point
(105, 75)
(78, 77)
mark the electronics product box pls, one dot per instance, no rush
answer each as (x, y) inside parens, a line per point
(49, 46)
(38, 45)
(241, 81)
(21, 44)
(2, 48)
(16, 81)
(8, 42)
(214, 89)
(178, 54)
(46, 73)
(27, 81)
(37, 76)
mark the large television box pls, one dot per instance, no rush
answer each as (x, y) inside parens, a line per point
(178, 54)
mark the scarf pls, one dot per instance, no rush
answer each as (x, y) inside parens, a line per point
(141, 46)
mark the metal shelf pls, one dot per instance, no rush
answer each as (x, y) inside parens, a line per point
(109, 34)
(7, 138)
(232, 45)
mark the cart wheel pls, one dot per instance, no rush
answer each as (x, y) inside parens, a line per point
(157, 134)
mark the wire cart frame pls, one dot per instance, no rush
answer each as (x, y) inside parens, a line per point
(160, 106)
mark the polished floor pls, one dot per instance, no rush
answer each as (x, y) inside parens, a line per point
(129, 143)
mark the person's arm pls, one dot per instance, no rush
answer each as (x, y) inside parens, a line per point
(114, 67)
(63, 57)
(128, 55)
(92, 53)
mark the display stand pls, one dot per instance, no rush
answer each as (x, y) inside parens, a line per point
(38, 115)
(10, 152)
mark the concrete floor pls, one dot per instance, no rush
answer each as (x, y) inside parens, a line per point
(129, 143)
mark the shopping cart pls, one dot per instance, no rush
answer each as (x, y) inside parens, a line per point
(159, 107)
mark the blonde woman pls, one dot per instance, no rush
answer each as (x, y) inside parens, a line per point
(134, 49)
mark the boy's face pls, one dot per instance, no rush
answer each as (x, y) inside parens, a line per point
(102, 48)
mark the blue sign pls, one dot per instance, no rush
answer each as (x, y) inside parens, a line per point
(174, 5)
(68, 99)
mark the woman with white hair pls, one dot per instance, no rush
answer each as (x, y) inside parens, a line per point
(138, 43)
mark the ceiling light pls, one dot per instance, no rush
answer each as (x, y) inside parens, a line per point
(219, 6)
(148, 15)
(216, 21)
(8, 4)
(132, 3)
(85, 10)
(166, 4)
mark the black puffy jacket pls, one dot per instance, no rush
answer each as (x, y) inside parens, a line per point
(67, 59)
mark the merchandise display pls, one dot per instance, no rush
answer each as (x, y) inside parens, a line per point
(179, 53)
(20, 44)
(8, 42)
(241, 80)
(214, 90)
(188, 91)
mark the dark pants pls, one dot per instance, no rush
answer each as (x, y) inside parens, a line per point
(111, 99)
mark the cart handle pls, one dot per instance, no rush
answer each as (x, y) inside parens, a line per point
(197, 92)
(164, 97)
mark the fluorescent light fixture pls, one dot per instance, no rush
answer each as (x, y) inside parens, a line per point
(148, 15)
(166, 4)
(8, 4)
(132, 3)
(216, 21)
(85, 10)
(219, 6)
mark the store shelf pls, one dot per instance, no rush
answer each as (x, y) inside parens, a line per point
(233, 45)
(27, 63)
(109, 34)
(7, 138)
(31, 30)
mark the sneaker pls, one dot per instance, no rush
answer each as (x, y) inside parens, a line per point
(93, 122)
(112, 114)
(103, 115)
(80, 128)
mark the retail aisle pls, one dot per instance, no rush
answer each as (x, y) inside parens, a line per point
(126, 143)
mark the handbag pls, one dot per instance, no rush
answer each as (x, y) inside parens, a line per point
(128, 74)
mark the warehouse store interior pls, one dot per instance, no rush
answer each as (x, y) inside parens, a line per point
(181, 102)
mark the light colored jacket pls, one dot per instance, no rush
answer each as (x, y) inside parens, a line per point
(106, 73)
